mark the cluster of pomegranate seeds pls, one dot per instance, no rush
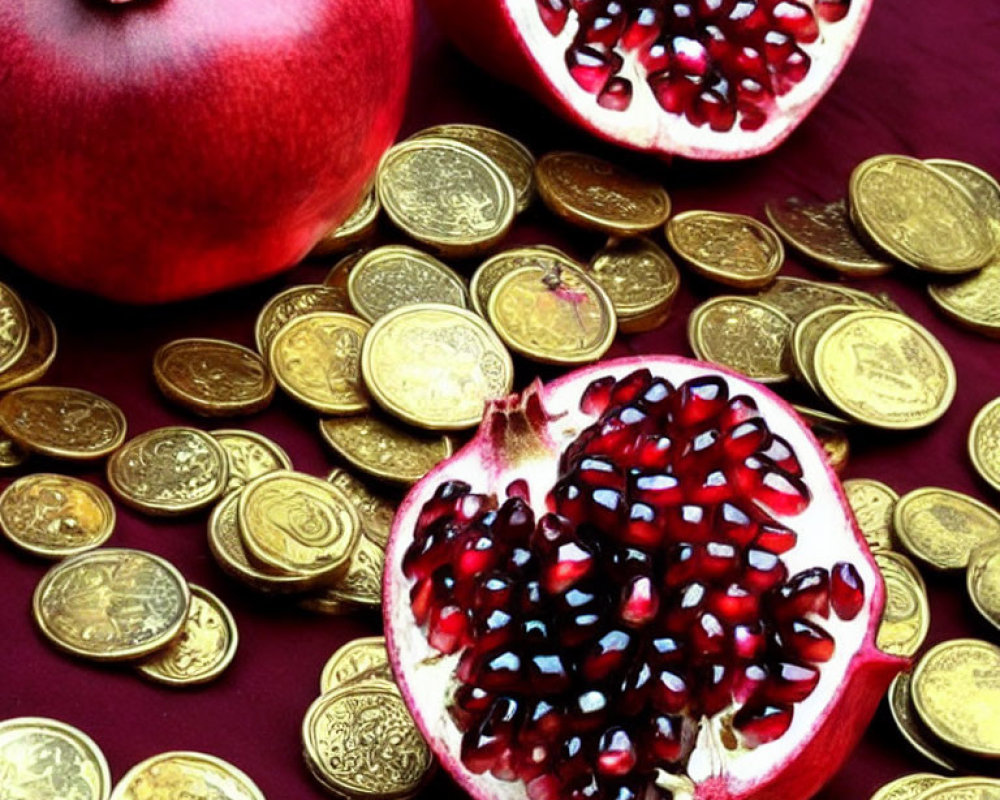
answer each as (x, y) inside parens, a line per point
(595, 639)
(714, 61)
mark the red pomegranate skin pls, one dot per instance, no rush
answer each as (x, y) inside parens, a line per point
(155, 150)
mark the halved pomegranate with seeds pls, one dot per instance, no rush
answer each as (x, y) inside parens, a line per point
(640, 581)
(706, 79)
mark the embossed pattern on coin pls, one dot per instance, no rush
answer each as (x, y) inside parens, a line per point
(249, 455)
(806, 336)
(11, 455)
(202, 650)
(872, 503)
(972, 302)
(798, 297)
(640, 279)
(393, 276)
(435, 366)
(964, 789)
(38, 355)
(729, 248)
(383, 450)
(942, 527)
(62, 422)
(905, 717)
(111, 604)
(983, 187)
(359, 225)
(361, 585)
(983, 580)
(375, 511)
(316, 360)
(446, 194)
(489, 273)
(44, 759)
(177, 775)
(212, 377)
(984, 443)
(14, 327)
(906, 616)
(743, 334)
(55, 516)
(168, 471)
(908, 787)
(294, 302)
(356, 658)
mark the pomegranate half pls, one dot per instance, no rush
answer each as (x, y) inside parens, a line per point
(158, 149)
(705, 79)
(639, 581)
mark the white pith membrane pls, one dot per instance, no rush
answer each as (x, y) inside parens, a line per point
(645, 125)
(826, 535)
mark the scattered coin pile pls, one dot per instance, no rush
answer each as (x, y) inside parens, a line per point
(926, 786)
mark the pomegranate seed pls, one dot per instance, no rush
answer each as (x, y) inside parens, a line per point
(635, 689)
(689, 56)
(630, 388)
(606, 507)
(590, 67)
(496, 629)
(689, 523)
(499, 671)
(519, 488)
(554, 14)
(763, 724)
(749, 682)
(448, 629)
(640, 602)
(745, 438)
(606, 656)
(597, 396)
(587, 788)
(700, 400)
(600, 471)
(616, 95)
(805, 592)
(749, 62)
(782, 493)
(568, 500)
(655, 59)
(670, 692)
(795, 19)
(572, 563)
(669, 740)
(547, 674)
(590, 710)
(807, 641)
(657, 488)
(493, 591)
(650, 452)
(749, 641)
(781, 453)
(606, 29)
(642, 29)
(791, 683)
(666, 649)
(718, 561)
(708, 636)
(421, 596)
(734, 605)
(470, 703)
(544, 787)
(716, 689)
(775, 539)
(535, 631)
(735, 525)
(764, 570)
(673, 93)
(515, 520)
(832, 10)
(615, 753)
(847, 590)
(791, 71)
(484, 748)
(542, 724)
(748, 15)
(571, 764)
(480, 556)
(740, 409)
(681, 567)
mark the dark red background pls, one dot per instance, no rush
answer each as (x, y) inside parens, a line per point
(924, 81)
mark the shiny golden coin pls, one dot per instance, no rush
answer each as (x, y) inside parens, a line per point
(393, 276)
(61, 422)
(956, 692)
(743, 334)
(316, 360)
(813, 416)
(557, 316)
(446, 194)
(972, 302)
(183, 775)
(14, 327)
(731, 249)
(872, 503)
(10, 454)
(510, 155)
(822, 232)
(982, 186)
(384, 450)
(55, 516)
(885, 370)
(906, 617)
(836, 446)
(798, 297)
(322, 603)
(337, 277)
(375, 511)
(298, 525)
(942, 527)
(250, 455)
(38, 355)
(982, 580)
(806, 336)
(905, 717)
(296, 301)
(111, 604)
(213, 378)
(595, 194)
(361, 741)
(640, 279)
(44, 759)
(489, 273)
(919, 216)
(908, 787)
(358, 226)
(361, 585)
(169, 471)
(204, 648)
(964, 789)
(435, 366)
(984, 443)
(356, 658)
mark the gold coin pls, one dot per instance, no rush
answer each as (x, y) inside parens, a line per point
(822, 232)
(510, 155)
(111, 604)
(918, 215)
(908, 786)
(964, 789)
(204, 648)
(375, 511)
(435, 366)
(43, 759)
(982, 186)
(356, 658)
(872, 503)
(169, 471)
(55, 516)
(10, 454)
(361, 741)
(595, 194)
(836, 446)
(323, 603)
(732, 249)
(384, 450)
(249, 455)
(213, 378)
(813, 416)
(489, 273)
(906, 616)
(942, 527)
(805, 337)
(361, 586)
(14, 327)
(337, 277)
(640, 279)
(956, 692)
(905, 717)
(884, 369)
(983, 580)
(796, 298)
(298, 525)
(38, 355)
(972, 302)
(984, 443)
(182, 775)
(446, 194)
(315, 359)
(61, 422)
(558, 316)
(743, 334)
(359, 225)
(393, 276)
(295, 302)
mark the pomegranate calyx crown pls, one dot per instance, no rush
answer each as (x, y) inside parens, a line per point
(516, 425)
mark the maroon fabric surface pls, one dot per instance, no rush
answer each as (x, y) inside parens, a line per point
(924, 81)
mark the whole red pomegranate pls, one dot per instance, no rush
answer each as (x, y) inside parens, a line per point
(639, 582)
(158, 149)
(705, 79)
